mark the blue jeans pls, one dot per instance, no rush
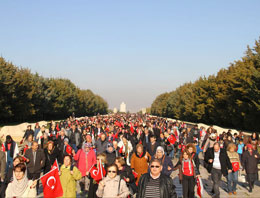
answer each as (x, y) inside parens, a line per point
(232, 178)
(171, 155)
(75, 148)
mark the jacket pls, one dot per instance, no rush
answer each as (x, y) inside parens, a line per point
(166, 161)
(39, 162)
(140, 163)
(2, 164)
(68, 181)
(101, 146)
(223, 158)
(112, 188)
(167, 188)
(250, 162)
(80, 157)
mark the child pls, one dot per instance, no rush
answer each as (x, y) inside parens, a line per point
(198, 149)
(240, 148)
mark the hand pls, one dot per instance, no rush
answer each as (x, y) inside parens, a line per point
(229, 171)
(127, 180)
(59, 173)
(169, 168)
(34, 184)
(210, 160)
(256, 156)
(198, 176)
(87, 173)
(71, 172)
(73, 153)
(27, 160)
(101, 183)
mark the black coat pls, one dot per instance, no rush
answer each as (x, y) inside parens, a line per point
(167, 188)
(50, 158)
(223, 158)
(249, 162)
(111, 157)
(127, 173)
(149, 148)
(39, 162)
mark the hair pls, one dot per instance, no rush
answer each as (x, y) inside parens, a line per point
(231, 145)
(69, 157)
(187, 152)
(103, 157)
(121, 161)
(20, 166)
(155, 160)
(216, 143)
(139, 145)
(192, 146)
(113, 165)
(20, 158)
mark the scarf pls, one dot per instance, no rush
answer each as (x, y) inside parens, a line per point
(188, 160)
(18, 187)
(11, 148)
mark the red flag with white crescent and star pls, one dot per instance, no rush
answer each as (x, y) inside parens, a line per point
(51, 182)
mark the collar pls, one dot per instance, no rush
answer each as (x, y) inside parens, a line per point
(155, 177)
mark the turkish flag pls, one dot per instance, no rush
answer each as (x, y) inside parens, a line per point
(172, 139)
(98, 173)
(51, 183)
(121, 149)
(200, 188)
(69, 149)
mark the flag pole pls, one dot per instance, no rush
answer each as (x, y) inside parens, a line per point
(101, 167)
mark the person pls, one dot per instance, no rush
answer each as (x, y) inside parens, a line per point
(9, 175)
(111, 154)
(187, 173)
(152, 145)
(210, 141)
(75, 138)
(101, 158)
(165, 160)
(240, 148)
(51, 154)
(126, 173)
(101, 144)
(217, 163)
(139, 161)
(11, 150)
(37, 129)
(235, 161)
(155, 183)
(250, 159)
(112, 185)
(69, 177)
(85, 158)
(127, 148)
(194, 156)
(21, 186)
(35, 159)
(2, 165)
(28, 132)
(26, 144)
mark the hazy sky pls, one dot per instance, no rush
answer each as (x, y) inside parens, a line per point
(127, 50)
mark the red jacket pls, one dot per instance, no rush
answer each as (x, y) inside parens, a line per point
(81, 158)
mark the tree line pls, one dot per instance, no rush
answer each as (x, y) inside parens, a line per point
(231, 98)
(28, 96)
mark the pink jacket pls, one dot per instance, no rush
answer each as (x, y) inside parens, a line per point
(80, 157)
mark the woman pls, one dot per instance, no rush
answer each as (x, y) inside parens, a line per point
(194, 156)
(69, 177)
(126, 173)
(187, 173)
(85, 158)
(36, 131)
(166, 161)
(27, 144)
(249, 160)
(51, 154)
(21, 186)
(112, 186)
(9, 175)
(11, 150)
(101, 158)
(139, 161)
(233, 176)
(210, 142)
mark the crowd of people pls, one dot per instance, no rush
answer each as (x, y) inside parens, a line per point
(136, 152)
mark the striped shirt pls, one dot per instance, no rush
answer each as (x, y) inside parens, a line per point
(152, 189)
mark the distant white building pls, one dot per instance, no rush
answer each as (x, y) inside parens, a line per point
(143, 110)
(123, 107)
(115, 110)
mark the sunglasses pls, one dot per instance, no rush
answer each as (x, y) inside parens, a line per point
(155, 166)
(112, 171)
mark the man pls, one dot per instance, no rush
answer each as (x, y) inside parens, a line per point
(28, 132)
(35, 160)
(156, 184)
(75, 139)
(152, 145)
(217, 163)
(101, 144)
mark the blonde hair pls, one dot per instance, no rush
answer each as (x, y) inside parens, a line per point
(231, 145)
(103, 157)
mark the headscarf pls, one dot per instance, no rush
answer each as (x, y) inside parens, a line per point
(18, 187)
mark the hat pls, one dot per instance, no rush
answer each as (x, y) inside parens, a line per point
(249, 146)
(66, 140)
(159, 148)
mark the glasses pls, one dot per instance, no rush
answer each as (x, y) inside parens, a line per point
(155, 166)
(112, 171)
